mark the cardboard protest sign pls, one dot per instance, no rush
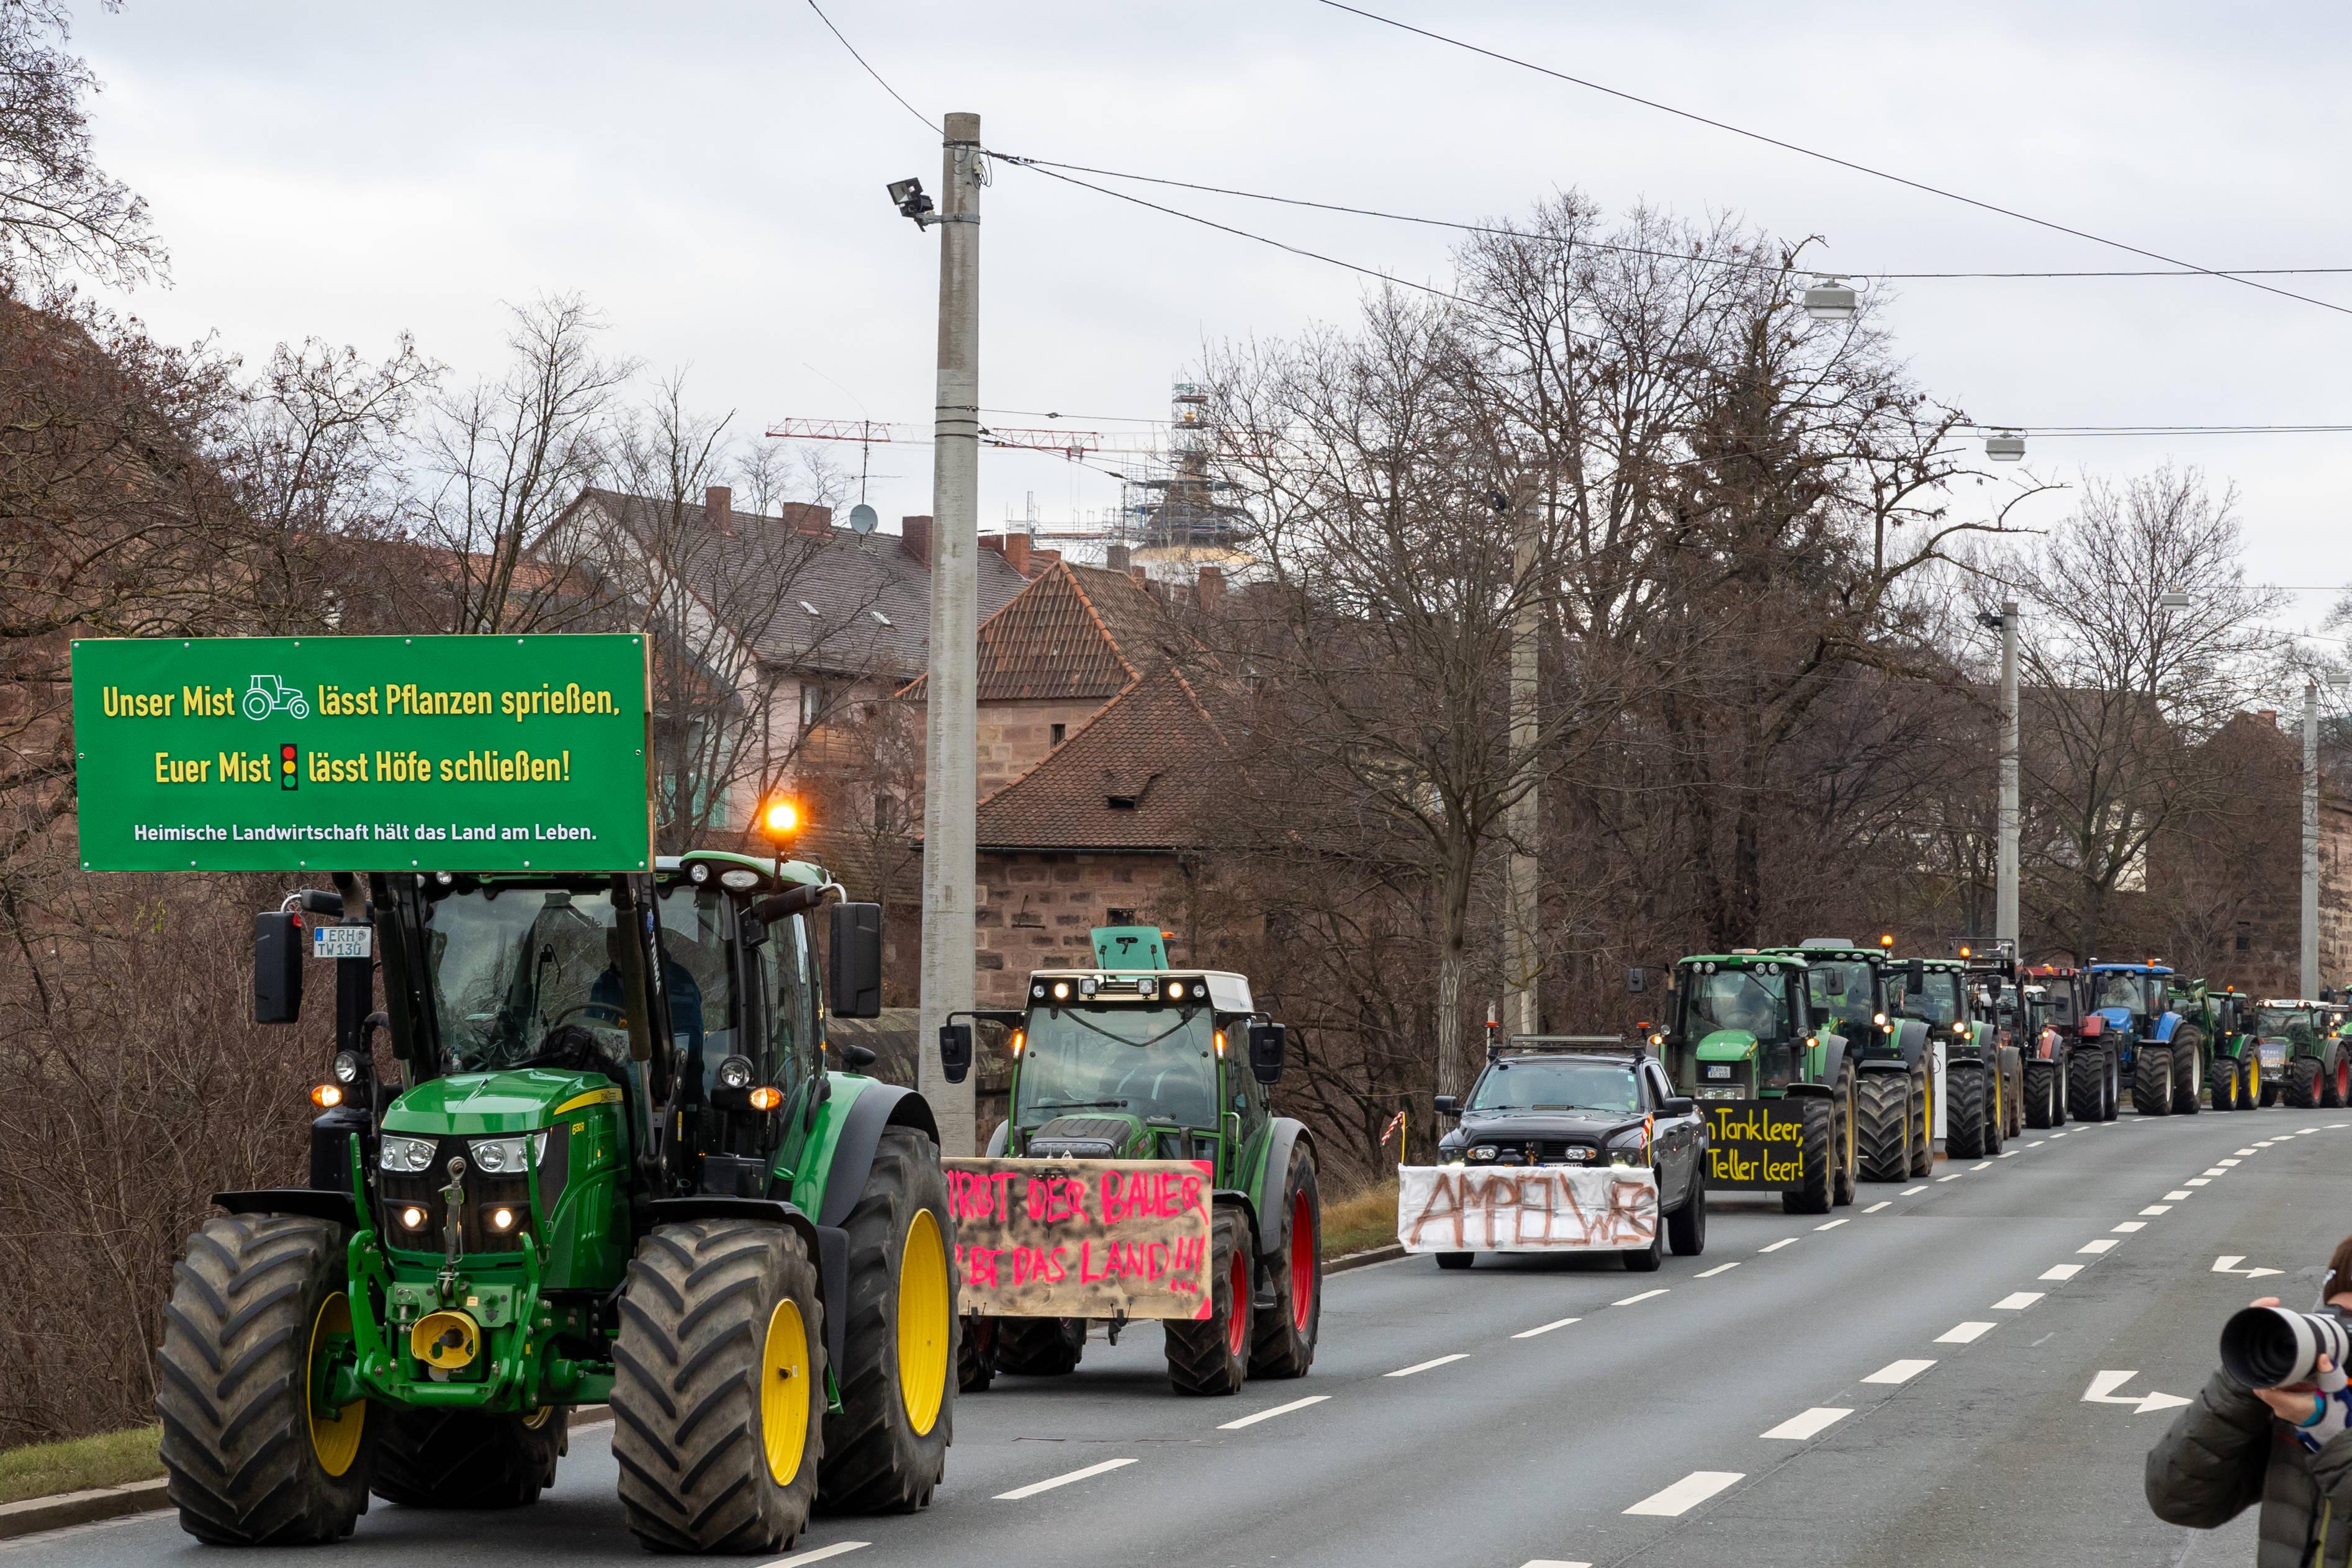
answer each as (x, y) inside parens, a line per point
(364, 754)
(1757, 1144)
(1526, 1208)
(1082, 1238)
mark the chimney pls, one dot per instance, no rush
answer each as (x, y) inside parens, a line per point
(1212, 588)
(1116, 557)
(1142, 578)
(1016, 552)
(915, 538)
(719, 508)
(993, 541)
(2268, 715)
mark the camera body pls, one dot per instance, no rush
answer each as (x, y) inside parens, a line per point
(2271, 1347)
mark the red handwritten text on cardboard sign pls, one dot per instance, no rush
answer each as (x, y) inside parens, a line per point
(1082, 1238)
(1529, 1209)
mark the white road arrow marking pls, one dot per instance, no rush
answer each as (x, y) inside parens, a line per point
(2103, 1392)
(2228, 1265)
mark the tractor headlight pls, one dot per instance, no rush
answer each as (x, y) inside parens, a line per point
(347, 1067)
(506, 1156)
(735, 1072)
(413, 1217)
(1879, 1019)
(403, 1156)
(1959, 1028)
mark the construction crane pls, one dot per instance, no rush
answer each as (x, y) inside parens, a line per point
(1076, 445)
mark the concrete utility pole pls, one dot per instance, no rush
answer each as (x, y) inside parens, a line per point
(2310, 984)
(2005, 918)
(950, 769)
(1524, 823)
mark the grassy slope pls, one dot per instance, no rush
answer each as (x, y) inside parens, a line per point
(44, 1470)
(1361, 1220)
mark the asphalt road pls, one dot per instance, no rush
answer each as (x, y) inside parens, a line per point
(1901, 1382)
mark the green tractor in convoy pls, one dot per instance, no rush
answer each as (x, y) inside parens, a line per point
(609, 1164)
(1980, 1067)
(2234, 1076)
(2303, 1060)
(1135, 1060)
(1747, 1042)
(1894, 1112)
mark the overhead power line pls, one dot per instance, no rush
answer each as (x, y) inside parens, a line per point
(876, 75)
(2239, 278)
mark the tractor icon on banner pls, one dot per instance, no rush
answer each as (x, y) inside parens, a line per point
(267, 694)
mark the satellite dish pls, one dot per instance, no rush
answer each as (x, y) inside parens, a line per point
(863, 518)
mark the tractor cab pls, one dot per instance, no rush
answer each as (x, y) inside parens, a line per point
(1745, 1027)
(2130, 998)
(1848, 983)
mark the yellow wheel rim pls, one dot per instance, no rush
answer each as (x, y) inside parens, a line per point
(784, 1392)
(334, 1434)
(925, 1316)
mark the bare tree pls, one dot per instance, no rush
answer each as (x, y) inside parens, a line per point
(60, 212)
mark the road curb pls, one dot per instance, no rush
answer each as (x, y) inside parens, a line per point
(36, 1514)
(1363, 1260)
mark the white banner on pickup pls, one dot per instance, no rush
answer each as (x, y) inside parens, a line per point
(1526, 1208)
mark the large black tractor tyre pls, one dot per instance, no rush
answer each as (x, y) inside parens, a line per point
(718, 1387)
(2250, 1087)
(1967, 1110)
(2061, 1070)
(2303, 1083)
(2012, 1097)
(2271, 1089)
(250, 1461)
(2112, 1106)
(2087, 1083)
(1923, 1118)
(2187, 1070)
(1997, 1117)
(1212, 1355)
(976, 1355)
(1881, 1126)
(2041, 1107)
(1814, 1192)
(889, 1446)
(1282, 1338)
(1842, 1141)
(2152, 1080)
(462, 1458)
(2335, 1081)
(1040, 1347)
(1686, 1227)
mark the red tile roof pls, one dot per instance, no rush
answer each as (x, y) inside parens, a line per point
(1072, 634)
(1144, 773)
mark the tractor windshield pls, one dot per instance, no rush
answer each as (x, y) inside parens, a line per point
(1744, 999)
(2057, 1003)
(2281, 1020)
(1842, 987)
(1144, 1061)
(2122, 988)
(523, 976)
(1542, 1084)
(1938, 1000)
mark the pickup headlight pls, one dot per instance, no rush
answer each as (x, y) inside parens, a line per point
(403, 1156)
(1483, 1154)
(1627, 1149)
(507, 1156)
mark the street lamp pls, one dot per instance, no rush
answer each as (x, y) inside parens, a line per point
(907, 197)
(2005, 445)
(1830, 299)
(2173, 601)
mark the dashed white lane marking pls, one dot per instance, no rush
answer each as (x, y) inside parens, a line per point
(1425, 1365)
(2197, 1182)
(1831, 1226)
(1711, 1273)
(2004, 1155)
(2245, 1151)
(2104, 1244)
(2157, 1208)
(1954, 1176)
(2062, 1271)
(2037, 1143)
(1899, 1371)
(1964, 1333)
(1547, 1328)
(1784, 1241)
(1908, 1191)
(820, 1553)
(2129, 1226)
(1284, 1409)
(2220, 1170)
(1641, 1296)
(1034, 1488)
(1981, 1165)
(2265, 1143)
(2301, 1131)
(1688, 1493)
(2225, 1165)
(2057, 1134)
(2334, 1126)
(1881, 1204)
(1808, 1424)
(2178, 1194)
(2017, 1300)
(1552, 1563)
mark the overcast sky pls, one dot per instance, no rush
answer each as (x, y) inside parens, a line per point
(710, 175)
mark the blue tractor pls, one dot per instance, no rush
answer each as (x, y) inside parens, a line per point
(2163, 1054)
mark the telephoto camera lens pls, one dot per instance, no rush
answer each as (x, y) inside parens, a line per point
(2270, 1347)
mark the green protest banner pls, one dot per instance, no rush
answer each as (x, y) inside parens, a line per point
(456, 754)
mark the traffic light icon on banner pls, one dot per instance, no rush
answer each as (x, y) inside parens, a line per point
(290, 773)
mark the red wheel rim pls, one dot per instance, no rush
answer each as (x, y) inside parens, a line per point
(1302, 1261)
(2343, 1078)
(1237, 1309)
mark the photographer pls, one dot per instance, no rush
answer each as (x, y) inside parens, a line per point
(2284, 1448)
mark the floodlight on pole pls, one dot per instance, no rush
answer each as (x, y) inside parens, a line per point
(1830, 299)
(2005, 445)
(2173, 603)
(907, 197)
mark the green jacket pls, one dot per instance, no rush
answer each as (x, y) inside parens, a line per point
(2227, 1452)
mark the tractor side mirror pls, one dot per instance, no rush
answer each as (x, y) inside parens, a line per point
(955, 1051)
(1633, 979)
(1820, 1017)
(1914, 976)
(1448, 1105)
(277, 968)
(856, 1058)
(853, 982)
(1266, 1042)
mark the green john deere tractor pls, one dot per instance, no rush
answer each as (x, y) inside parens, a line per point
(609, 1164)
(2234, 1073)
(1979, 1066)
(1748, 1043)
(1135, 1060)
(1894, 1090)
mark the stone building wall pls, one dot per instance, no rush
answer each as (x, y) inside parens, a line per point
(1035, 911)
(1014, 737)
